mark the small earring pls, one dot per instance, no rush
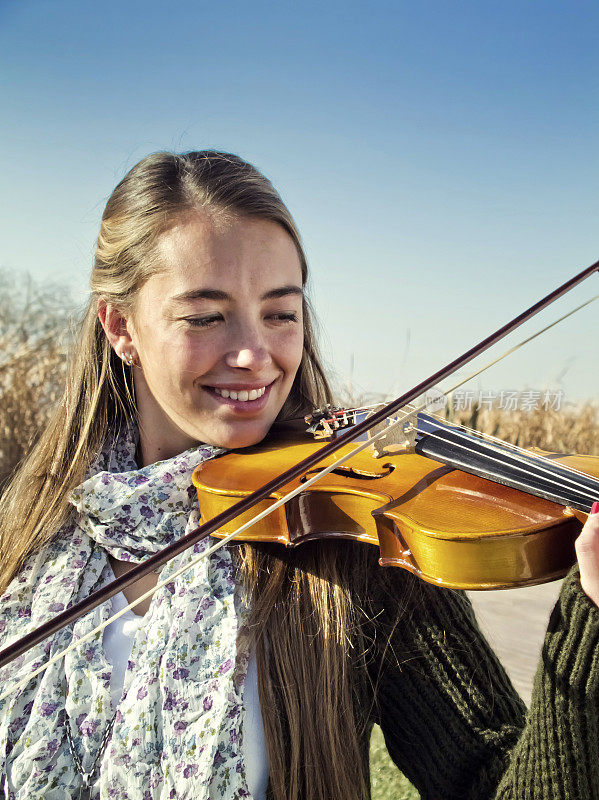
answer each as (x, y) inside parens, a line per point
(127, 358)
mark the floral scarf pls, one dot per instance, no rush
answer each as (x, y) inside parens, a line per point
(177, 727)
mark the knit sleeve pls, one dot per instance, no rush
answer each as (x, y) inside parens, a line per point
(452, 721)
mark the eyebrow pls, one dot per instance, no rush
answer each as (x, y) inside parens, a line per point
(217, 294)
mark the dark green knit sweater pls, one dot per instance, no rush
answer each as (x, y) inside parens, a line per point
(452, 721)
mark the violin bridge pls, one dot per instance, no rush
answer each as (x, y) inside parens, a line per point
(398, 438)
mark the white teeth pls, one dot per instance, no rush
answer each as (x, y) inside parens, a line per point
(244, 395)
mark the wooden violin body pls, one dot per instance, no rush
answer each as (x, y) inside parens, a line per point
(448, 527)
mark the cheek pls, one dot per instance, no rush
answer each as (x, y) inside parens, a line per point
(189, 358)
(172, 358)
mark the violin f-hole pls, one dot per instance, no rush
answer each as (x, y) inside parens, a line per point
(357, 474)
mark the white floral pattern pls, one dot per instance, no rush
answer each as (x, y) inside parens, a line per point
(178, 725)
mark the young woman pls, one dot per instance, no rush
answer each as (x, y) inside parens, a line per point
(259, 672)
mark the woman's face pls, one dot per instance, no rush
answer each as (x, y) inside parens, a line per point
(217, 335)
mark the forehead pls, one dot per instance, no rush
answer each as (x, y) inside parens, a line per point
(235, 254)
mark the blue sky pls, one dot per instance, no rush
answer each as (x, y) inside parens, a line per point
(441, 159)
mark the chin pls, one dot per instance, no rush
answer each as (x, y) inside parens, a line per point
(236, 439)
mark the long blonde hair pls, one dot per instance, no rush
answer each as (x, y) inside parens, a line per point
(291, 596)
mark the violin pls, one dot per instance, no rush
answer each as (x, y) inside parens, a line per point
(394, 546)
(446, 504)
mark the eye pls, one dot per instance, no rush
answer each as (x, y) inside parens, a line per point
(285, 316)
(203, 322)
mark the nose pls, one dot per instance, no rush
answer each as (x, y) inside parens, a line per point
(249, 351)
(254, 358)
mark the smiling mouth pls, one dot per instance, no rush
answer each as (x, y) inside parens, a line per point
(243, 395)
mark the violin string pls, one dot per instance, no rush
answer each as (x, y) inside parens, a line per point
(514, 447)
(301, 488)
(586, 492)
(465, 432)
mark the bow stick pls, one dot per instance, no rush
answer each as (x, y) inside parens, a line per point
(171, 551)
(404, 415)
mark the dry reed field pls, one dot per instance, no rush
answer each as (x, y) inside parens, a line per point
(34, 339)
(34, 325)
(573, 429)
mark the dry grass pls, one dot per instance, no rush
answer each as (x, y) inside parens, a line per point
(34, 326)
(571, 429)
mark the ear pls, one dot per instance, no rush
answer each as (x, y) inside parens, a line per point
(116, 327)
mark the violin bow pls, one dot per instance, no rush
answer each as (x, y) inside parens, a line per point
(176, 548)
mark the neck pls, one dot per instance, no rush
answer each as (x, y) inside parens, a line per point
(159, 437)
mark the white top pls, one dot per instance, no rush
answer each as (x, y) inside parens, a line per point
(118, 639)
